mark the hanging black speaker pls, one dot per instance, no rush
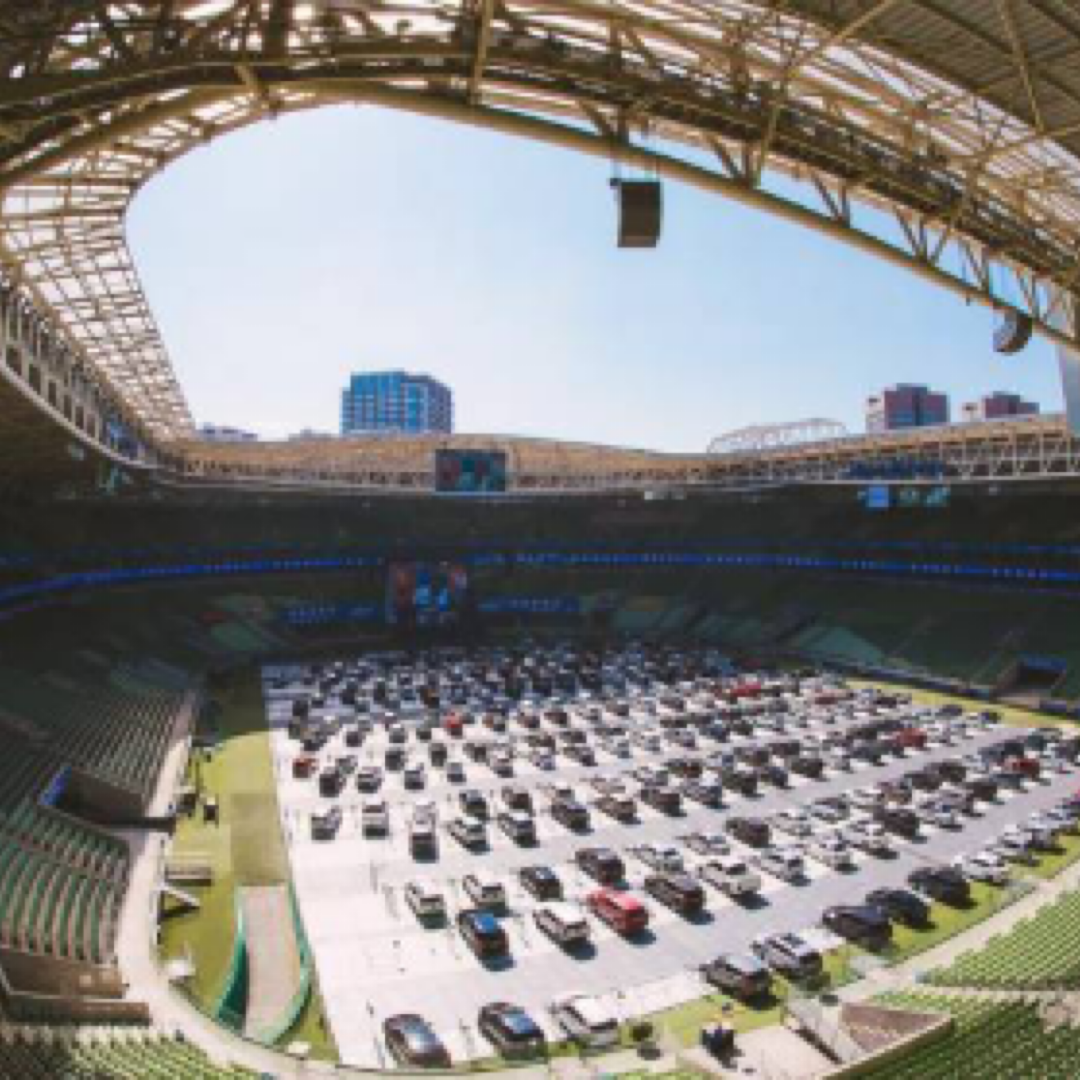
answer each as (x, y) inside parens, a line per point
(1013, 332)
(640, 212)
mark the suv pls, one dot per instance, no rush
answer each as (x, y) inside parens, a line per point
(782, 863)
(789, 955)
(619, 910)
(474, 804)
(620, 807)
(469, 833)
(941, 883)
(563, 923)
(517, 798)
(678, 891)
(752, 831)
(369, 778)
(743, 977)
(570, 813)
(427, 904)
(708, 793)
(375, 817)
(901, 905)
(666, 800)
(485, 892)
(897, 819)
(483, 934)
(731, 875)
(423, 838)
(585, 1019)
(519, 826)
(601, 864)
(542, 882)
(863, 924)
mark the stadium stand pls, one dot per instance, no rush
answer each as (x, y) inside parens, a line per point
(991, 1040)
(1041, 953)
(45, 1053)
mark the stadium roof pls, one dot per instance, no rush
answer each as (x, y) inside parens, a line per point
(959, 118)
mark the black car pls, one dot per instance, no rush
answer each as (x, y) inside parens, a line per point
(752, 831)
(861, 923)
(680, 892)
(807, 765)
(483, 933)
(571, 813)
(601, 864)
(511, 1030)
(474, 804)
(666, 800)
(542, 882)
(412, 1042)
(705, 792)
(941, 883)
(517, 798)
(744, 977)
(620, 807)
(898, 820)
(901, 905)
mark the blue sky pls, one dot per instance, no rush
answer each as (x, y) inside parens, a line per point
(286, 255)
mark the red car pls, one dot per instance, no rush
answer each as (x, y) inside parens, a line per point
(621, 912)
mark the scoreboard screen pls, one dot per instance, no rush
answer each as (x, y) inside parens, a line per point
(470, 472)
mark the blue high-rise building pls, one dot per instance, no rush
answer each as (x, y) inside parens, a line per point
(387, 402)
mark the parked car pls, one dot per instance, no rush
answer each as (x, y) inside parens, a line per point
(586, 1019)
(984, 866)
(782, 863)
(941, 883)
(622, 912)
(469, 833)
(742, 976)
(519, 826)
(748, 830)
(412, 1042)
(511, 1030)
(542, 882)
(485, 891)
(427, 902)
(678, 891)
(901, 905)
(731, 874)
(861, 923)
(563, 923)
(789, 955)
(620, 807)
(483, 934)
(602, 864)
(570, 813)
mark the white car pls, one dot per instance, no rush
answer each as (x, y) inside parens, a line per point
(940, 814)
(784, 863)
(730, 874)
(585, 1019)
(793, 822)
(485, 891)
(865, 798)
(375, 817)
(868, 836)
(832, 851)
(563, 923)
(983, 866)
(661, 857)
(426, 902)
(1013, 848)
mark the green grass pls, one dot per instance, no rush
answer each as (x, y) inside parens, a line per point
(245, 848)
